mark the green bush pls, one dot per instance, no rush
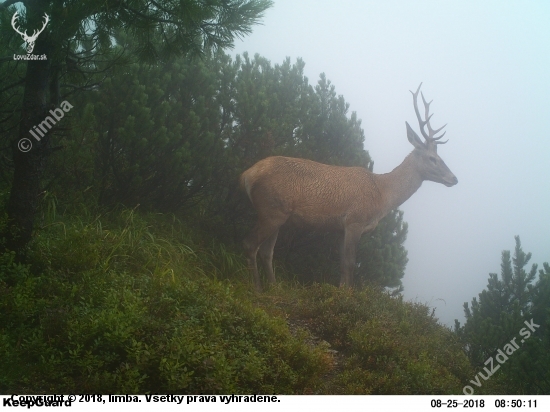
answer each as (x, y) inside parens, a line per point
(126, 311)
(126, 303)
(388, 346)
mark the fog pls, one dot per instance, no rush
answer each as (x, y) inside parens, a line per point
(486, 65)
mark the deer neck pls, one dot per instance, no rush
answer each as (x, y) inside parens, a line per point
(399, 184)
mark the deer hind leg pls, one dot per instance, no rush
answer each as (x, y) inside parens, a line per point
(266, 254)
(348, 249)
(266, 230)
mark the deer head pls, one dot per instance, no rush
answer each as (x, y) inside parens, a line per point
(430, 165)
(26, 38)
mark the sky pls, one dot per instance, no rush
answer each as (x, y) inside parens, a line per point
(486, 65)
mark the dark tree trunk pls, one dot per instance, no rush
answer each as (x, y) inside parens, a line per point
(28, 166)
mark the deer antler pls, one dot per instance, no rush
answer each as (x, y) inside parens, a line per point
(13, 23)
(29, 39)
(37, 32)
(430, 136)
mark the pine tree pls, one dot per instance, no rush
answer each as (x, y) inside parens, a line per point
(499, 315)
(83, 33)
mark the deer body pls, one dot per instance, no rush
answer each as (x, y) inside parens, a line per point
(300, 188)
(351, 200)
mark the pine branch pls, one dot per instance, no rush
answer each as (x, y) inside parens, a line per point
(8, 3)
(11, 86)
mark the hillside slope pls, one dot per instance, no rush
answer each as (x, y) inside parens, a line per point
(125, 303)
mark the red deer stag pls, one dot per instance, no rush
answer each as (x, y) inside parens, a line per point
(351, 200)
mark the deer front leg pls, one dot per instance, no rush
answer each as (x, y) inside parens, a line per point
(347, 254)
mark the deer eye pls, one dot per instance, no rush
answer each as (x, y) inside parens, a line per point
(433, 160)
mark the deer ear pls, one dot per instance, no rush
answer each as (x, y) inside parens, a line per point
(413, 138)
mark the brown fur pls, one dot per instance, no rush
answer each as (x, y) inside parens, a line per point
(351, 200)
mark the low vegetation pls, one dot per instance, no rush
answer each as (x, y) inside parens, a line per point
(129, 303)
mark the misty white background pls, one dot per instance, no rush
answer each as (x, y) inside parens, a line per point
(486, 65)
